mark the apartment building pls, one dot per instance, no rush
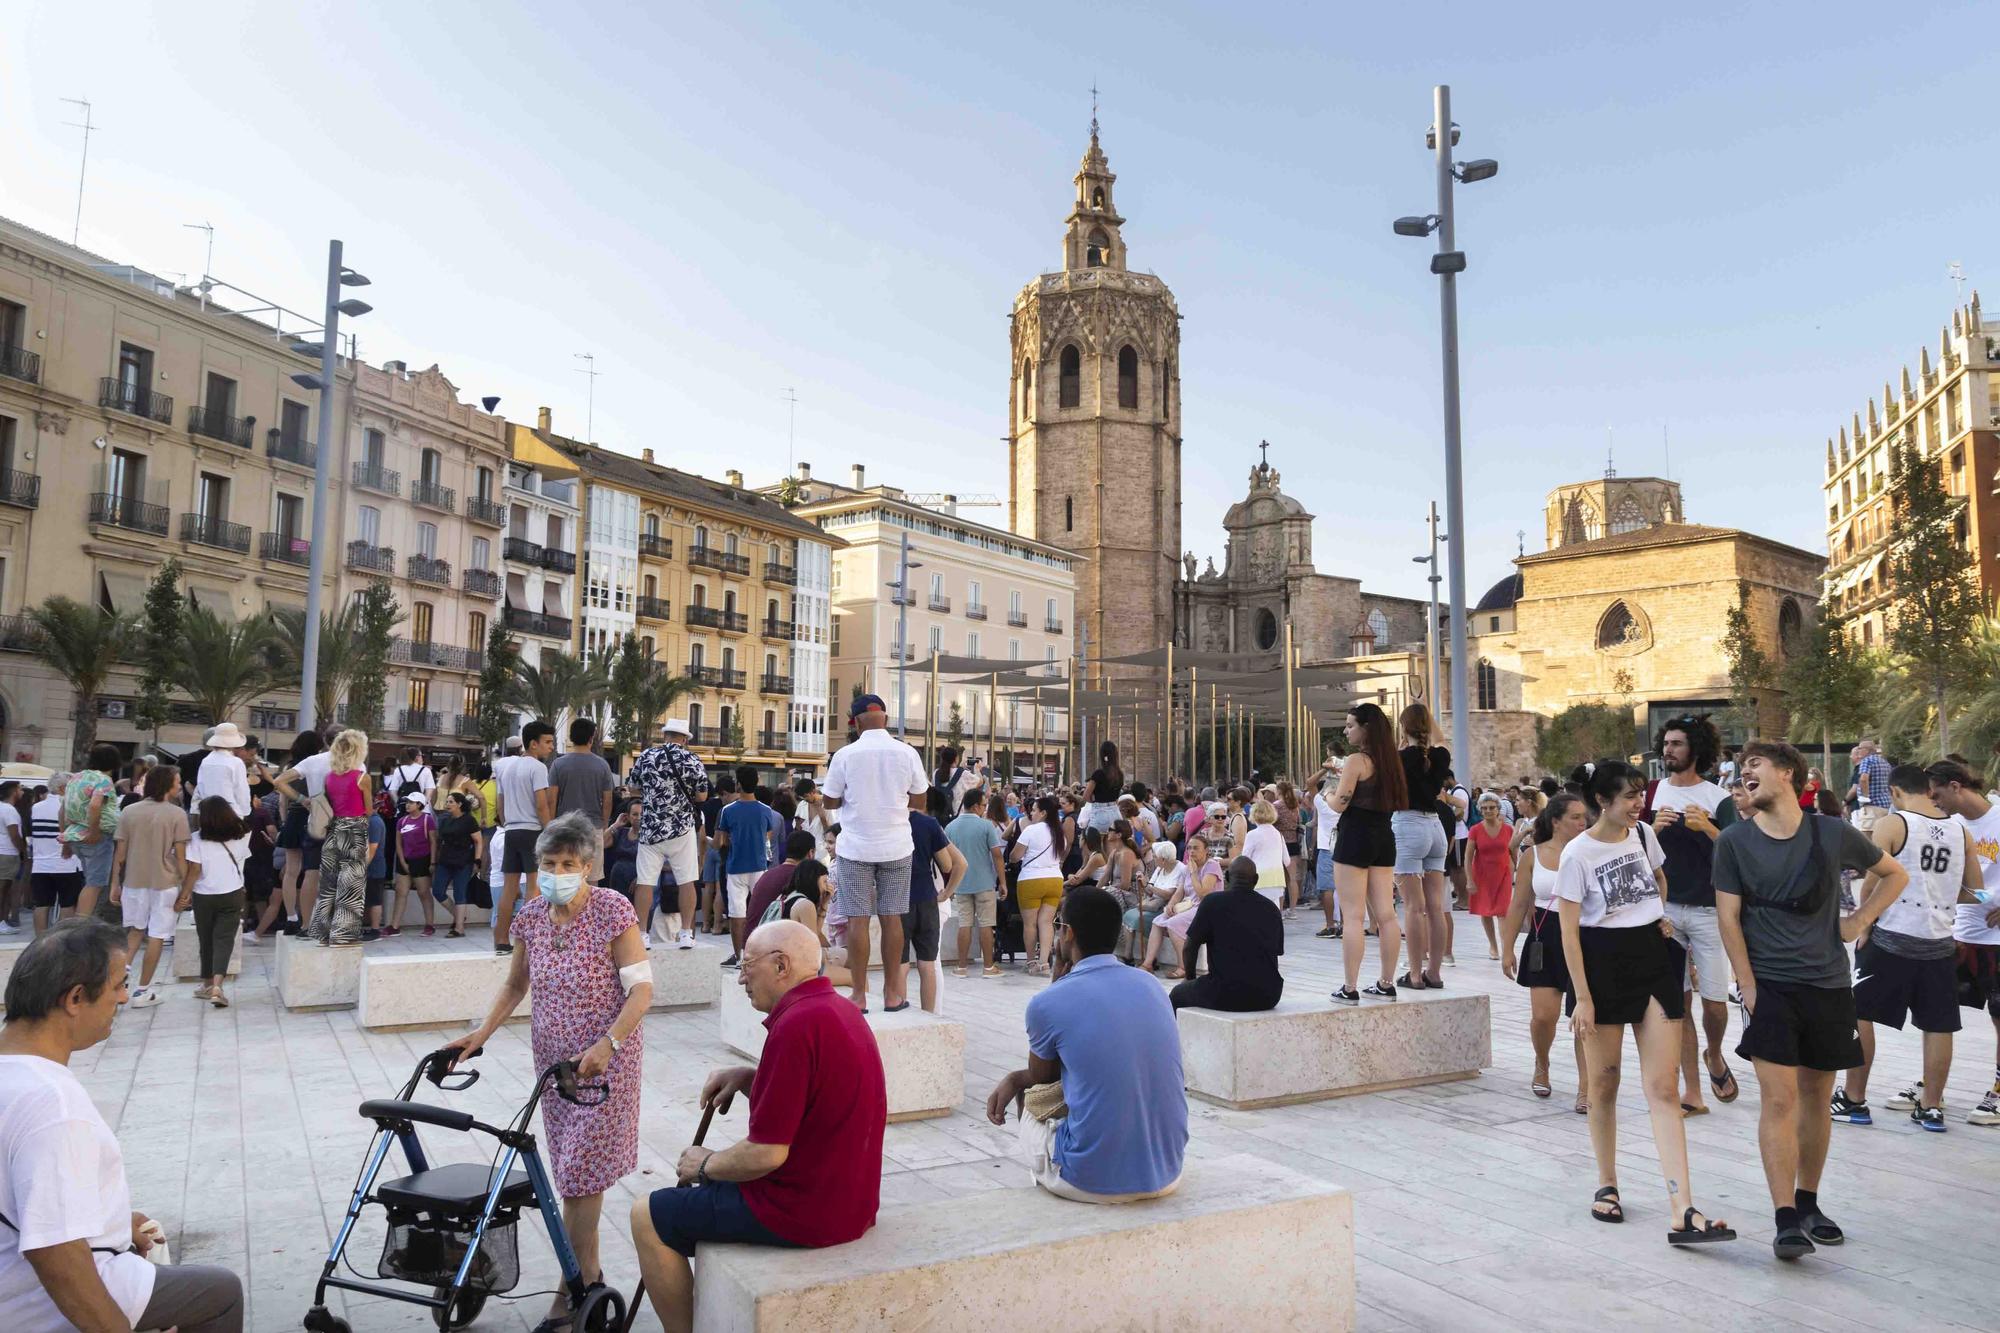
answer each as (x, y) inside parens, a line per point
(1949, 412)
(538, 552)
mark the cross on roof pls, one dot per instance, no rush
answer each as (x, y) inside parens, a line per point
(1264, 454)
(1093, 108)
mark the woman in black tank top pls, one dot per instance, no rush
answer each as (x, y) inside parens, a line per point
(1423, 842)
(1364, 850)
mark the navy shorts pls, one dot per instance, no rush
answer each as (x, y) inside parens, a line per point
(684, 1218)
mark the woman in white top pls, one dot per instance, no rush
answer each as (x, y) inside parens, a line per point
(1627, 969)
(1326, 822)
(1541, 968)
(214, 887)
(1266, 846)
(1038, 892)
(1166, 883)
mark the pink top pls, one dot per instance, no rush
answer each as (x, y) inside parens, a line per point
(343, 793)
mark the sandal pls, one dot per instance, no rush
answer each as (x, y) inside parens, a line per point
(1689, 1108)
(1540, 1087)
(1405, 982)
(1582, 1106)
(1725, 1087)
(1607, 1195)
(1687, 1233)
(1791, 1243)
(1434, 983)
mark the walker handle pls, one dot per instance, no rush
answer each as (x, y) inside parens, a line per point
(570, 1090)
(437, 1068)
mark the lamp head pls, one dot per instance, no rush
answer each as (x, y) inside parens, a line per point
(351, 306)
(1416, 226)
(349, 278)
(1478, 169)
(1431, 136)
(305, 379)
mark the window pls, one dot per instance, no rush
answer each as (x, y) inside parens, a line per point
(218, 396)
(370, 526)
(472, 699)
(1050, 658)
(421, 617)
(135, 375)
(972, 593)
(1378, 625)
(292, 423)
(697, 654)
(420, 696)
(1098, 248)
(694, 718)
(427, 540)
(728, 658)
(1013, 650)
(482, 553)
(13, 324)
(1014, 603)
(652, 525)
(700, 595)
(1627, 517)
(7, 429)
(1166, 388)
(1069, 514)
(1027, 388)
(972, 644)
(1487, 683)
(770, 664)
(1493, 623)
(937, 638)
(374, 447)
(288, 516)
(646, 646)
(475, 636)
(1069, 390)
(650, 589)
(1049, 612)
(771, 611)
(482, 485)
(429, 466)
(937, 586)
(1791, 626)
(1619, 627)
(701, 538)
(1128, 377)
(127, 475)
(728, 602)
(729, 544)
(213, 497)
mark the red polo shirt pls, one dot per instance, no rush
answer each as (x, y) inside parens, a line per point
(818, 1089)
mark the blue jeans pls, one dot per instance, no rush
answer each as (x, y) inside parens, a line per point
(451, 882)
(684, 1218)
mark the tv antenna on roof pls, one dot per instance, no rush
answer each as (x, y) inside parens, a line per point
(1956, 272)
(208, 262)
(590, 399)
(791, 426)
(87, 125)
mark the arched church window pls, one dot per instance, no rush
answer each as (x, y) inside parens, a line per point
(1487, 684)
(1097, 250)
(1097, 197)
(1027, 388)
(1378, 625)
(1069, 384)
(1267, 630)
(1128, 377)
(1619, 628)
(1628, 517)
(1166, 387)
(1791, 626)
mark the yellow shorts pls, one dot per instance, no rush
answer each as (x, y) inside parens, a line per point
(1030, 894)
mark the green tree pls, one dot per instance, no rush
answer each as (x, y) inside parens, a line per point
(223, 662)
(159, 640)
(954, 726)
(1580, 733)
(1749, 665)
(657, 692)
(557, 686)
(1976, 715)
(496, 679)
(1826, 681)
(368, 685)
(81, 643)
(732, 731)
(1934, 605)
(340, 634)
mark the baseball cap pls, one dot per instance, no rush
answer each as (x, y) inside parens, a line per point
(867, 703)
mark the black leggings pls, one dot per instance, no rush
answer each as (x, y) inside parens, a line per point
(1212, 992)
(217, 919)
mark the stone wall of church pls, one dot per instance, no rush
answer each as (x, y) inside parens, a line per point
(1503, 747)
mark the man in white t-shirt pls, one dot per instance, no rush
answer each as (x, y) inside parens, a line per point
(72, 1250)
(223, 771)
(412, 772)
(874, 782)
(527, 802)
(1958, 790)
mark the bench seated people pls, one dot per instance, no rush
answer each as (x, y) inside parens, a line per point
(1102, 1108)
(1244, 934)
(809, 1172)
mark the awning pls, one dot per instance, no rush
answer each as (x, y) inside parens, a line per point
(125, 592)
(213, 600)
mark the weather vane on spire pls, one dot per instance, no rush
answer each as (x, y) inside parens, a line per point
(1093, 108)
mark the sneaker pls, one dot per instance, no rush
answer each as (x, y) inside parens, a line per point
(732, 961)
(1346, 995)
(1987, 1112)
(1324, 933)
(369, 934)
(145, 998)
(429, 931)
(1908, 1099)
(1736, 998)
(684, 940)
(502, 950)
(389, 932)
(7, 929)
(1850, 1112)
(1449, 961)
(1930, 1118)
(958, 972)
(454, 934)
(1379, 991)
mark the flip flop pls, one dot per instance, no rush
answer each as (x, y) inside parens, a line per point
(1582, 1107)
(1725, 1087)
(1609, 1194)
(1708, 1233)
(895, 1008)
(1688, 1109)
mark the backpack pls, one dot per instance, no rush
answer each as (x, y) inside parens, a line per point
(413, 834)
(406, 785)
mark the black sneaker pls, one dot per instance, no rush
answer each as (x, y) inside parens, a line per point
(1379, 991)
(369, 934)
(1848, 1111)
(732, 961)
(1930, 1118)
(502, 950)
(1346, 995)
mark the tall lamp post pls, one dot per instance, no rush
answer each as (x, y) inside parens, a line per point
(1431, 629)
(337, 276)
(902, 586)
(1448, 263)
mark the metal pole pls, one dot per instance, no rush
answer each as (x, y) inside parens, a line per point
(903, 639)
(1069, 729)
(930, 714)
(1229, 725)
(322, 487)
(1083, 673)
(1193, 718)
(1167, 724)
(1431, 630)
(993, 724)
(1454, 479)
(1291, 733)
(1214, 737)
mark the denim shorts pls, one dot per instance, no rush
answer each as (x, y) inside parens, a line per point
(711, 867)
(451, 882)
(94, 860)
(684, 1218)
(1324, 870)
(1420, 841)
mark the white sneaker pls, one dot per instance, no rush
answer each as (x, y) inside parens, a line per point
(145, 998)
(684, 940)
(1908, 1098)
(6, 929)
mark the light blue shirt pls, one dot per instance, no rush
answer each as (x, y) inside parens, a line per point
(1113, 1029)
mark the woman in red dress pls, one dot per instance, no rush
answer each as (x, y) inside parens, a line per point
(1491, 868)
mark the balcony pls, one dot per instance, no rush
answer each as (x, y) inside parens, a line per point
(290, 448)
(433, 496)
(707, 557)
(371, 559)
(940, 602)
(18, 363)
(283, 546)
(375, 477)
(562, 562)
(19, 634)
(347, 715)
(655, 608)
(709, 736)
(422, 652)
(778, 629)
(776, 572)
(482, 583)
(900, 598)
(521, 549)
(466, 726)
(135, 400)
(712, 617)
(123, 511)
(429, 569)
(419, 722)
(774, 740)
(219, 425)
(535, 622)
(906, 651)
(723, 678)
(770, 684)
(490, 512)
(975, 611)
(1052, 626)
(23, 490)
(653, 544)
(1018, 619)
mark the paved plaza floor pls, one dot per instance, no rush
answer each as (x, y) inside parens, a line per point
(1471, 1198)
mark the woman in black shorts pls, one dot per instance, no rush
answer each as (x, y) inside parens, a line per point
(1364, 849)
(1541, 967)
(292, 844)
(1627, 969)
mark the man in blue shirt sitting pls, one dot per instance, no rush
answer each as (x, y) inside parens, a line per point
(1104, 1035)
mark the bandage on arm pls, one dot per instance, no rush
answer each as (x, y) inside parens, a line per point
(633, 974)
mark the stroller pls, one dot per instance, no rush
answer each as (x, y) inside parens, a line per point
(452, 1228)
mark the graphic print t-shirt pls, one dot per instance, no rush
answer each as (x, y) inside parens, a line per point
(1971, 927)
(1613, 880)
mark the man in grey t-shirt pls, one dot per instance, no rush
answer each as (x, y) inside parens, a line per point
(583, 783)
(1777, 900)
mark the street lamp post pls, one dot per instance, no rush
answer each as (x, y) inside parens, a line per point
(902, 586)
(337, 276)
(1431, 629)
(1448, 263)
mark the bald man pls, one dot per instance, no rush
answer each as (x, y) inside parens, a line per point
(809, 1173)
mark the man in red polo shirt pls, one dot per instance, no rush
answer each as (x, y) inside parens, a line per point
(810, 1172)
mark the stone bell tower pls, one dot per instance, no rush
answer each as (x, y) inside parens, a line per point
(1094, 444)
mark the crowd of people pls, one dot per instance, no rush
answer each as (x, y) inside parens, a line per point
(1613, 898)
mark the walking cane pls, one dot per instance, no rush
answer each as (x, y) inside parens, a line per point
(639, 1293)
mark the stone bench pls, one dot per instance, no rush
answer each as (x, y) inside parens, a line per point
(429, 990)
(187, 953)
(413, 912)
(923, 1055)
(688, 978)
(311, 976)
(1309, 1049)
(1243, 1243)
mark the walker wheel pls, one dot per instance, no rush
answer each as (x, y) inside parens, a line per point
(463, 1311)
(320, 1320)
(602, 1311)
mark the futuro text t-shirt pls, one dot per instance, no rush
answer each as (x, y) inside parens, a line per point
(1613, 880)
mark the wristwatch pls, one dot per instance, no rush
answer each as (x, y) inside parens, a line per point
(615, 1043)
(701, 1173)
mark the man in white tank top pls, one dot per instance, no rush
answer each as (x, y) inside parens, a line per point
(1906, 964)
(1959, 791)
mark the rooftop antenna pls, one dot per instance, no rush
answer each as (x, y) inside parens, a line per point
(208, 262)
(1956, 272)
(791, 427)
(1520, 541)
(590, 399)
(87, 125)
(1610, 466)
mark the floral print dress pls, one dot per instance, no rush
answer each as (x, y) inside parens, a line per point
(574, 982)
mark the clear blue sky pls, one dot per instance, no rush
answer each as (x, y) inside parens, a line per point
(1730, 230)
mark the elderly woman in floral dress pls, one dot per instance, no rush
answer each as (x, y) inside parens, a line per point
(581, 954)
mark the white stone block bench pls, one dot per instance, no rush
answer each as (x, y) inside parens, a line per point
(688, 978)
(1309, 1049)
(413, 912)
(923, 1055)
(311, 976)
(1243, 1243)
(187, 953)
(428, 990)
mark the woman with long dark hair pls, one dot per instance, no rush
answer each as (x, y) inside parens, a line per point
(1364, 848)
(1107, 783)
(1421, 845)
(1627, 969)
(1541, 967)
(1039, 852)
(300, 878)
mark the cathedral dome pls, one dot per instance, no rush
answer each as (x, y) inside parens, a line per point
(1502, 595)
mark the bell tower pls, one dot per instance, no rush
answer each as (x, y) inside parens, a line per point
(1094, 443)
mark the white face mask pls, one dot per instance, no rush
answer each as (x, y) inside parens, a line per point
(558, 889)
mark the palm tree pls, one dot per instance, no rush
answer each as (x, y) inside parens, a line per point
(653, 695)
(224, 662)
(81, 643)
(339, 651)
(557, 686)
